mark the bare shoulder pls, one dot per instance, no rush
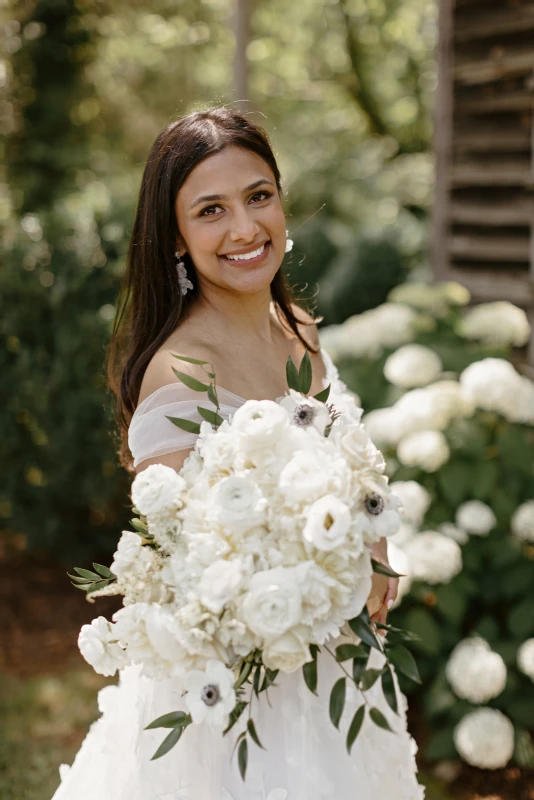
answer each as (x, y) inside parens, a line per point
(308, 324)
(159, 371)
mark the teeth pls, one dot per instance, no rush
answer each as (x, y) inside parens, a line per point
(247, 256)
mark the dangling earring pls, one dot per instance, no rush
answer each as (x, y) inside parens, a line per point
(183, 280)
(289, 243)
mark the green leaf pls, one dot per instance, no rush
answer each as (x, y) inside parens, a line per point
(309, 671)
(292, 375)
(401, 634)
(85, 573)
(369, 677)
(337, 701)
(78, 579)
(104, 571)
(379, 719)
(191, 383)
(96, 586)
(358, 667)
(235, 713)
(168, 743)
(212, 395)
(256, 680)
(269, 679)
(140, 527)
(346, 651)
(243, 675)
(242, 758)
(388, 687)
(210, 416)
(252, 730)
(355, 726)
(362, 629)
(382, 569)
(171, 720)
(185, 424)
(403, 660)
(305, 373)
(190, 360)
(322, 397)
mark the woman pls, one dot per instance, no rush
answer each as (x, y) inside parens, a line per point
(211, 197)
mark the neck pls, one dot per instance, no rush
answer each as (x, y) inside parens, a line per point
(240, 315)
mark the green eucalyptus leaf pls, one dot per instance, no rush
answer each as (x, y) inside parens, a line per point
(140, 527)
(191, 383)
(369, 677)
(242, 758)
(212, 395)
(79, 580)
(210, 416)
(243, 675)
(185, 424)
(337, 701)
(96, 586)
(358, 667)
(403, 660)
(171, 720)
(379, 719)
(346, 651)
(355, 726)
(292, 375)
(388, 687)
(269, 679)
(362, 629)
(104, 571)
(190, 360)
(256, 680)
(85, 573)
(382, 569)
(168, 743)
(309, 671)
(235, 713)
(252, 730)
(305, 373)
(322, 397)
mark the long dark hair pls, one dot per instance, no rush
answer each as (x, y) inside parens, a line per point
(150, 306)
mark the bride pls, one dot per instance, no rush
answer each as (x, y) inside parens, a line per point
(211, 197)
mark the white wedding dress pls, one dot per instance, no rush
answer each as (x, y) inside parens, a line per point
(305, 757)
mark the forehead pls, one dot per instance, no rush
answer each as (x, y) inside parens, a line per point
(225, 172)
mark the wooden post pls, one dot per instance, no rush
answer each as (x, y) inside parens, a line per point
(241, 32)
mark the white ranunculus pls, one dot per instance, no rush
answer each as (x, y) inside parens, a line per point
(499, 323)
(219, 452)
(523, 522)
(433, 558)
(476, 518)
(306, 411)
(272, 604)
(306, 476)
(156, 488)
(427, 450)
(415, 500)
(485, 738)
(288, 653)
(413, 365)
(130, 553)
(219, 583)
(261, 423)
(99, 646)
(328, 523)
(475, 672)
(210, 695)
(453, 532)
(238, 503)
(525, 658)
(357, 447)
(494, 385)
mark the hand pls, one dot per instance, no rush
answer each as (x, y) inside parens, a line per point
(389, 586)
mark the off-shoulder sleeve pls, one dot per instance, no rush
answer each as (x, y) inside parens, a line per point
(151, 434)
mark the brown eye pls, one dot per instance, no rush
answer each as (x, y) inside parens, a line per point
(203, 212)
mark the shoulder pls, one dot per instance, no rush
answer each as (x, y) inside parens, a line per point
(307, 324)
(160, 369)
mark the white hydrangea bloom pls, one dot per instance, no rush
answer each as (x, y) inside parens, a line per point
(434, 297)
(415, 500)
(475, 672)
(453, 532)
(413, 365)
(522, 523)
(485, 738)
(366, 335)
(400, 563)
(100, 647)
(130, 552)
(427, 450)
(433, 557)
(210, 695)
(156, 488)
(499, 323)
(385, 426)
(525, 658)
(476, 517)
(495, 385)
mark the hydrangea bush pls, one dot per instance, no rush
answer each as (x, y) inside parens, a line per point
(455, 420)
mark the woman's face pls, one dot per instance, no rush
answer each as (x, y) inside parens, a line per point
(246, 216)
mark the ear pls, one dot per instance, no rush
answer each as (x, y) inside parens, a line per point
(181, 246)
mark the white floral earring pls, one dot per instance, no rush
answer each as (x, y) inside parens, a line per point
(183, 280)
(289, 243)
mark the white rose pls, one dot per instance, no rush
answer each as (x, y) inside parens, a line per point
(272, 604)
(499, 323)
(238, 503)
(287, 653)
(412, 365)
(485, 738)
(328, 522)
(433, 558)
(129, 553)
(219, 583)
(306, 411)
(475, 672)
(305, 477)
(357, 447)
(210, 695)
(260, 423)
(427, 450)
(525, 658)
(219, 451)
(523, 521)
(99, 646)
(156, 488)
(476, 518)
(415, 500)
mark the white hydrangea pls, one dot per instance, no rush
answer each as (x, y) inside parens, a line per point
(427, 450)
(453, 532)
(413, 365)
(415, 500)
(433, 557)
(485, 738)
(476, 517)
(475, 672)
(434, 297)
(130, 555)
(495, 385)
(522, 523)
(525, 658)
(400, 563)
(100, 647)
(499, 323)
(156, 488)
(384, 426)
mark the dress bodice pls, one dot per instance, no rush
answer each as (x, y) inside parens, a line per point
(151, 434)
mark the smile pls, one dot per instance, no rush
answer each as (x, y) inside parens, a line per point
(253, 257)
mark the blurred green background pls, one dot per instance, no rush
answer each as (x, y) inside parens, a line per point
(345, 89)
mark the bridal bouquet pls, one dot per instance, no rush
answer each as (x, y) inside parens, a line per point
(250, 559)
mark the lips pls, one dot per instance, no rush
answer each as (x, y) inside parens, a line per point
(239, 262)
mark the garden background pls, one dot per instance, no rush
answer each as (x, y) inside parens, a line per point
(346, 89)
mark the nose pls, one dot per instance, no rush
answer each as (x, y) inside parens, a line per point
(244, 227)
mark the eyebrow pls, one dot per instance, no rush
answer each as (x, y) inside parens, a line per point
(210, 197)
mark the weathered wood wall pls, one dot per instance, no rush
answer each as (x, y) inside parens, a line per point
(484, 145)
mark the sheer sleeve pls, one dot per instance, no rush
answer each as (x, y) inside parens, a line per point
(151, 434)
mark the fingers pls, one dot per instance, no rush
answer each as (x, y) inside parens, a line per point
(392, 591)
